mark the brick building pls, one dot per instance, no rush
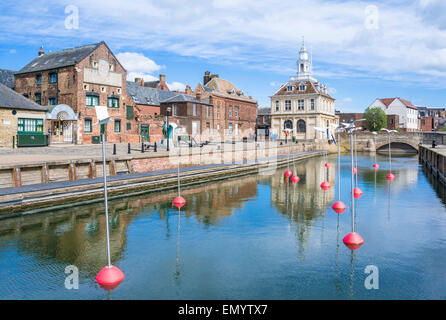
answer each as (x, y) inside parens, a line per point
(431, 119)
(147, 101)
(263, 124)
(71, 82)
(235, 113)
(194, 116)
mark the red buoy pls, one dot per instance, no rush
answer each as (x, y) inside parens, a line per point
(354, 170)
(179, 202)
(295, 179)
(357, 193)
(353, 241)
(339, 207)
(288, 173)
(390, 177)
(110, 277)
(327, 165)
(325, 186)
(376, 166)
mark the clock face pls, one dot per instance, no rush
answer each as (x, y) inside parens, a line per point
(103, 67)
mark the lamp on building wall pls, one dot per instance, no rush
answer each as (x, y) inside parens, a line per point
(168, 110)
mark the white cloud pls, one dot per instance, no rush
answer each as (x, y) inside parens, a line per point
(347, 100)
(147, 77)
(176, 86)
(12, 51)
(137, 62)
(408, 45)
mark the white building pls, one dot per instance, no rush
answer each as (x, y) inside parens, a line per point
(407, 112)
(302, 104)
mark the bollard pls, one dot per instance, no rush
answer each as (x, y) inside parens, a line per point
(114, 148)
(154, 147)
(129, 149)
(142, 147)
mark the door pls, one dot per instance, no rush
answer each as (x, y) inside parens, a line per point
(67, 131)
(145, 133)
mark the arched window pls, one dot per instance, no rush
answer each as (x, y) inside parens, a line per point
(301, 126)
(288, 124)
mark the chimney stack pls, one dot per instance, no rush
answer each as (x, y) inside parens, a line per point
(41, 53)
(206, 78)
(140, 81)
(198, 96)
(163, 85)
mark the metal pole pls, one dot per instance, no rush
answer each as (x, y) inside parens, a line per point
(356, 163)
(178, 157)
(339, 167)
(390, 155)
(104, 166)
(353, 182)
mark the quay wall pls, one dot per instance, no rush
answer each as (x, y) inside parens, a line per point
(434, 159)
(64, 170)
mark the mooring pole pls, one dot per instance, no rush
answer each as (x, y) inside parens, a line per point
(104, 167)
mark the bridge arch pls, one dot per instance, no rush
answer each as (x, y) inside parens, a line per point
(397, 147)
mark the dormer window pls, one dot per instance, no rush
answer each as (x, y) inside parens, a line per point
(289, 88)
(302, 87)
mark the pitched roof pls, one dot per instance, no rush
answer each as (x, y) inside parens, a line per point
(263, 111)
(311, 87)
(7, 78)
(185, 98)
(9, 99)
(147, 95)
(58, 59)
(407, 103)
(225, 88)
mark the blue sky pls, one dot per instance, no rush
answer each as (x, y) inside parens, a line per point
(361, 49)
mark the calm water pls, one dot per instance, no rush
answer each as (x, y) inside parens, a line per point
(255, 237)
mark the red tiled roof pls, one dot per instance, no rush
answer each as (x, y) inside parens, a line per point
(387, 101)
(407, 103)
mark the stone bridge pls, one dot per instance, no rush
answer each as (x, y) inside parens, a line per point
(400, 141)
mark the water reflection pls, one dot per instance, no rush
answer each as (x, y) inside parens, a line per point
(228, 241)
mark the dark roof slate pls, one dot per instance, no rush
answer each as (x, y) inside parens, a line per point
(59, 59)
(146, 95)
(9, 99)
(7, 78)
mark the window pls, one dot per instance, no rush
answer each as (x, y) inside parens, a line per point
(230, 111)
(52, 101)
(129, 126)
(53, 77)
(92, 101)
(301, 126)
(29, 126)
(208, 111)
(113, 102)
(287, 105)
(277, 105)
(174, 110)
(129, 114)
(302, 87)
(87, 126)
(194, 109)
(218, 112)
(312, 104)
(236, 111)
(300, 104)
(289, 88)
(39, 79)
(38, 98)
(117, 126)
(230, 128)
(265, 119)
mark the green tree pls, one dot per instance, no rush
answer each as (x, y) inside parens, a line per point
(375, 119)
